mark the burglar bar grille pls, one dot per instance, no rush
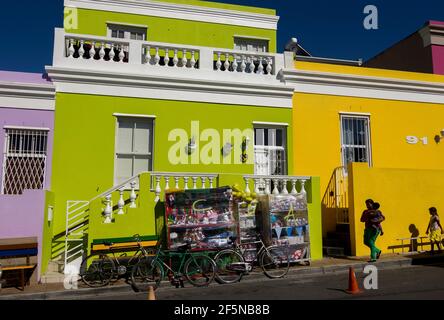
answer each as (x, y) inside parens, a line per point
(24, 160)
(355, 139)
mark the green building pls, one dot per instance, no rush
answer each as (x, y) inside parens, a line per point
(153, 95)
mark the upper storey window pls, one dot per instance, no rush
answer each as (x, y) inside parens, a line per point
(251, 44)
(128, 32)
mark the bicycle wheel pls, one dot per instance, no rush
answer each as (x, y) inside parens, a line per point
(97, 270)
(230, 266)
(146, 273)
(275, 261)
(200, 270)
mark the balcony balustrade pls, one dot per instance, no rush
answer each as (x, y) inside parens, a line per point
(88, 50)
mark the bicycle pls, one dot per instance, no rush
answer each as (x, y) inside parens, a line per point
(199, 269)
(232, 265)
(99, 269)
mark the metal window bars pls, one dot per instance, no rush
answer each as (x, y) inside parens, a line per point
(355, 139)
(24, 160)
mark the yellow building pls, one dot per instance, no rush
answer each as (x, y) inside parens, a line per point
(390, 121)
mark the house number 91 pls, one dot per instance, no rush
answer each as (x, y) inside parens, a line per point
(416, 140)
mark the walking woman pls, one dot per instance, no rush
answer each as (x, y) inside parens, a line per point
(372, 218)
(434, 230)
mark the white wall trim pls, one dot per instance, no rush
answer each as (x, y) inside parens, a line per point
(358, 114)
(363, 86)
(26, 128)
(134, 115)
(27, 96)
(180, 11)
(277, 124)
(170, 87)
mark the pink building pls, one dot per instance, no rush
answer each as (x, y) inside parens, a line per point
(422, 51)
(26, 139)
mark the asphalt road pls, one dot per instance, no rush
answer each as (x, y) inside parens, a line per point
(416, 282)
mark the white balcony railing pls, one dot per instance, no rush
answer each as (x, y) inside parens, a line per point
(95, 50)
(275, 184)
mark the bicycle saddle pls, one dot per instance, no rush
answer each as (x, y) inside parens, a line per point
(233, 239)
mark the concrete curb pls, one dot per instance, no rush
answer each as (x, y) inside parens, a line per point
(293, 273)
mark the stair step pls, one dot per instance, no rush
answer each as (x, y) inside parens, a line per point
(52, 277)
(343, 228)
(334, 243)
(334, 251)
(55, 266)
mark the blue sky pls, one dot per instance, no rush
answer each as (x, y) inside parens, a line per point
(326, 28)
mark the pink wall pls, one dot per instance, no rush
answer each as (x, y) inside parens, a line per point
(438, 59)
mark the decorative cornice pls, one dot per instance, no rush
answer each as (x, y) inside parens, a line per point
(27, 95)
(153, 86)
(180, 11)
(363, 86)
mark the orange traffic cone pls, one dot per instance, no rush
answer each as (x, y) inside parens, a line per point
(353, 287)
(151, 295)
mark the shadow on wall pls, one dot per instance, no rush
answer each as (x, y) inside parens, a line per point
(414, 233)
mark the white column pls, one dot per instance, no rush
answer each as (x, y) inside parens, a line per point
(293, 186)
(121, 202)
(71, 49)
(122, 54)
(303, 186)
(185, 181)
(275, 189)
(218, 62)
(256, 186)
(251, 66)
(211, 182)
(204, 182)
(243, 65)
(176, 58)
(184, 59)
(102, 51)
(194, 182)
(133, 195)
(92, 51)
(227, 62)
(112, 53)
(260, 69)
(108, 210)
(81, 50)
(156, 57)
(235, 64)
(158, 189)
(284, 186)
(167, 182)
(148, 55)
(193, 60)
(176, 179)
(167, 57)
(247, 187)
(269, 66)
(267, 186)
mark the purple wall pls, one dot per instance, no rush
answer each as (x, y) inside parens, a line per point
(28, 118)
(22, 217)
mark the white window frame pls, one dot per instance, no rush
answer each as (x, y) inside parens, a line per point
(368, 146)
(284, 147)
(134, 117)
(7, 154)
(128, 29)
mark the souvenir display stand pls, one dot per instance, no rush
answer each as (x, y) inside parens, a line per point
(286, 218)
(201, 217)
(246, 215)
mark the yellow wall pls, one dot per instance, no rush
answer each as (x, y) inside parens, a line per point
(405, 196)
(316, 130)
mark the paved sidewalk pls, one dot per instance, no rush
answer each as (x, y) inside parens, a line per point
(317, 268)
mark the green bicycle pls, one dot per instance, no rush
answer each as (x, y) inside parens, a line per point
(198, 269)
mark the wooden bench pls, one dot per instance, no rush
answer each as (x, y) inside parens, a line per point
(124, 244)
(17, 270)
(413, 243)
